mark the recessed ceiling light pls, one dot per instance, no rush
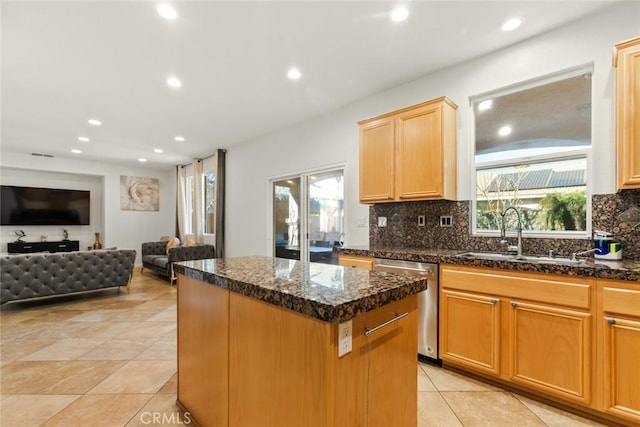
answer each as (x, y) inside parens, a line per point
(74, 151)
(485, 105)
(158, 150)
(142, 159)
(294, 74)
(179, 138)
(504, 131)
(94, 122)
(167, 11)
(174, 82)
(83, 139)
(511, 24)
(399, 14)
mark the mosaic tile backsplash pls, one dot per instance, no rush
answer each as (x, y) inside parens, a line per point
(403, 231)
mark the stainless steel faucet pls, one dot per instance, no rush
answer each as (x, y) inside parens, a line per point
(587, 252)
(503, 231)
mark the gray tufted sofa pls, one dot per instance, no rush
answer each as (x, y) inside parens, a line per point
(39, 275)
(155, 257)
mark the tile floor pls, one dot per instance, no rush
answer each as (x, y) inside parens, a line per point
(109, 359)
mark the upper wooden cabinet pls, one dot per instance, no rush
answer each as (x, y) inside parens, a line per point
(409, 154)
(627, 62)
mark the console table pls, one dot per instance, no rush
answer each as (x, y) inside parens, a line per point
(30, 247)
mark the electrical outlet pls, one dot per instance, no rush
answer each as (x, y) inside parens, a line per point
(382, 221)
(345, 338)
(421, 220)
(446, 221)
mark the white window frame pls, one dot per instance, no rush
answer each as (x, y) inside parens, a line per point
(582, 152)
(303, 209)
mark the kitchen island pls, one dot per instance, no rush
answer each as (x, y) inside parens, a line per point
(258, 344)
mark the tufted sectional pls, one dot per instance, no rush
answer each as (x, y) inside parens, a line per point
(39, 275)
(155, 257)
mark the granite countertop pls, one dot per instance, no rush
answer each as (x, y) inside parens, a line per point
(604, 269)
(327, 292)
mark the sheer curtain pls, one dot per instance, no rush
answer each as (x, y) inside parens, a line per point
(198, 201)
(182, 202)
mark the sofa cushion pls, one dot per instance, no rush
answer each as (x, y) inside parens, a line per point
(172, 243)
(149, 259)
(161, 262)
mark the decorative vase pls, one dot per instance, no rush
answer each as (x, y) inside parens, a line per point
(97, 244)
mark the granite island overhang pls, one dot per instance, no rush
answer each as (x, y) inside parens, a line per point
(258, 344)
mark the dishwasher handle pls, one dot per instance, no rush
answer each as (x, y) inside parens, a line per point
(399, 269)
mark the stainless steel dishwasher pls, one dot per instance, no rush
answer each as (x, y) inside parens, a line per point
(427, 302)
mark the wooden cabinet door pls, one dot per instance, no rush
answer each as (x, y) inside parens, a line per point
(622, 367)
(353, 261)
(377, 165)
(628, 113)
(376, 384)
(419, 153)
(551, 350)
(470, 330)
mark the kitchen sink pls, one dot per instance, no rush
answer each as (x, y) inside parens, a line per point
(497, 256)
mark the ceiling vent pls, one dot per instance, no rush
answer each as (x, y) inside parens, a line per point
(41, 155)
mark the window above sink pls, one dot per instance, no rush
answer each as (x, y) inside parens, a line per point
(532, 145)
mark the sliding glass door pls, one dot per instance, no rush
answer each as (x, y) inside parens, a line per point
(308, 216)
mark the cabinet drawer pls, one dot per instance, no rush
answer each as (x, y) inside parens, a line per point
(621, 301)
(356, 261)
(540, 287)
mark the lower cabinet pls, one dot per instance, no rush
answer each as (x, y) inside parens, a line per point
(550, 350)
(472, 335)
(619, 306)
(530, 329)
(355, 261)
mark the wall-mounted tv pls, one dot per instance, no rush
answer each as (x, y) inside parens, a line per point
(44, 206)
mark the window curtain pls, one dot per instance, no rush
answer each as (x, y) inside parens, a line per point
(181, 202)
(198, 201)
(219, 208)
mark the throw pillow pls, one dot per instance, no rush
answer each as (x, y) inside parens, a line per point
(190, 242)
(171, 243)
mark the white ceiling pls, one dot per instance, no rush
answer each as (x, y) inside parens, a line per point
(65, 62)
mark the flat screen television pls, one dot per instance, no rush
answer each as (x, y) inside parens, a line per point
(43, 206)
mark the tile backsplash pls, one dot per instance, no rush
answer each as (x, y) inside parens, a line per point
(403, 231)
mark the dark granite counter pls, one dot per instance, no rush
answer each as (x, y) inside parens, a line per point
(618, 270)
(327, 292)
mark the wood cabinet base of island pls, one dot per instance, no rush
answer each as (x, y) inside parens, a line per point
(246, 363)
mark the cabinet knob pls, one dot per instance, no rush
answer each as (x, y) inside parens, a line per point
(611, 321)
(494, 300)
(514, 305)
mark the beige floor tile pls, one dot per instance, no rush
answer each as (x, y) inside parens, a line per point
(161, 350)
(170, 386)
(98, 315)
(56, 377)
(122, 305)
(57, 330)
(100, 410)
(171, 336)
(433, 411)
(156, 305)
(554, 417)
(32, 410)
(445, 380)
(137, 377)
(424, 383)
(19, 348)
(161, 410)
(105, 330)
(65, 349)
(168, 314)
(125, 315)
(490, 409)
(119, 349)
(58, 315)
(150, 330)
(25, 329)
